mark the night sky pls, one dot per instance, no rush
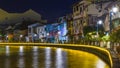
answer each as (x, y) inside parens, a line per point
(49, 9)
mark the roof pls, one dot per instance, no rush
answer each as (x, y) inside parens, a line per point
(80, 2)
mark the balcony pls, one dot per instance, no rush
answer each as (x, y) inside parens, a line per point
(116, 15)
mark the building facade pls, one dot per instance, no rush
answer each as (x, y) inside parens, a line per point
(41, 32)
(70, 34)
(34, 32)
(87, 13)
(115, 16)
(62, 30)
(13, 18)
(18, 22)
(51, 32)
(79, 19)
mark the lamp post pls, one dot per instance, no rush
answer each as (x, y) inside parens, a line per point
(113, 10)
(98, 23)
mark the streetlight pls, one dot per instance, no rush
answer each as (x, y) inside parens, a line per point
(47, 39)
(98, 23)
(35, 36)
(112, 11)
(20, 38)
(59, 32)
(47, 34)
(59, 36)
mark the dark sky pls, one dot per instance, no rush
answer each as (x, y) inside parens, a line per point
(49, 9)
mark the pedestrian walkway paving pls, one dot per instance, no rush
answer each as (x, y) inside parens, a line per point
(116, 58)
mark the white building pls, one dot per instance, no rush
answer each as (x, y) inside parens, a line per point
(42, 33)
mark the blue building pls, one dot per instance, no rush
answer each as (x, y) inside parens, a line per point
(50, 30)
(62, 30)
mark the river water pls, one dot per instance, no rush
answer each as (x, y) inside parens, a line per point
(46, 57)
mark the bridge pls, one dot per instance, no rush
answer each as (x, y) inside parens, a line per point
(102, 53)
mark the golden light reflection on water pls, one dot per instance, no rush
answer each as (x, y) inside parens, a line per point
(46, 57)
(59, 56)
(81, 59)
(7, 51)
(21, 62)
(35, 57)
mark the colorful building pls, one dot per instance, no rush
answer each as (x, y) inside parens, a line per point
(62, 30)
(41, 32)
(34, 32)
(51, 32)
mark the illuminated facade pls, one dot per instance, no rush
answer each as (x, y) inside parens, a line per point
(41, 32)
(106, 11)
(50, 28)
(116, 17)
(70, 33)
(17, 20)
(79, 18)
(86, 13)
(37, 32)
(62, 30)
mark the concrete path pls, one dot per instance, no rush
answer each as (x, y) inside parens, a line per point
(116, 58)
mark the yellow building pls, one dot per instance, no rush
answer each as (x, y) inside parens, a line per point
(70, 33)
(79, 18)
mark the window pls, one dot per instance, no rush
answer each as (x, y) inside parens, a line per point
(74, 9)
(29, 29)
(80, 9)
(77, 8)
(81, 21)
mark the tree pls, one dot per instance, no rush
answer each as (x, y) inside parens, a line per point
(115, 36)
(88, 29)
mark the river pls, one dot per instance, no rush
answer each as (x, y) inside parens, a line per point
(46, 57)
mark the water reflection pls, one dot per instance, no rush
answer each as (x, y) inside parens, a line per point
(35, 48)
(60, 58)
(48, 57)
(7, 50)
(21, 61)
(100, 64)
(35, 57)
(21, 51)
(7, 61)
